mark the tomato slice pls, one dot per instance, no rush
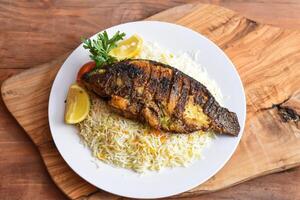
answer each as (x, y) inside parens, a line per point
(87, 67)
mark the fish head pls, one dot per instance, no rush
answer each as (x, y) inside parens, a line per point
(96, 80)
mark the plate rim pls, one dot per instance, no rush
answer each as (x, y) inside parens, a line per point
(229, 156)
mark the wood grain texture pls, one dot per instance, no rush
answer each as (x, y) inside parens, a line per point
(22, 49)
(245, 41)
(43, 24)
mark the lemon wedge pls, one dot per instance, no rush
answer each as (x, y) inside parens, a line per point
(128, 48)
(78, 105)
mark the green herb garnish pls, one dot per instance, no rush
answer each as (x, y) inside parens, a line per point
(100, 47)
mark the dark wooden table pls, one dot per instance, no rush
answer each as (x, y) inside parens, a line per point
(34, 32)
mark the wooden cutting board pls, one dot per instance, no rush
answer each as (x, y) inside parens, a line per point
(268, 61)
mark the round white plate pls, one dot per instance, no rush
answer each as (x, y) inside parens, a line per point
(169, 181)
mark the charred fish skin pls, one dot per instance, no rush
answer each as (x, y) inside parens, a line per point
(161, 96)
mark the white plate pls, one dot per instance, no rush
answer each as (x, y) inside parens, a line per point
(170, 181)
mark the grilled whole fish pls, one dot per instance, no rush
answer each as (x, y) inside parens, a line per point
(161, 96)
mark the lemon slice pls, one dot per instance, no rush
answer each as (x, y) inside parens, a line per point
(127, 48)
(78, 105)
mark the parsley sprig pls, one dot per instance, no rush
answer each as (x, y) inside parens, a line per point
(100, 47)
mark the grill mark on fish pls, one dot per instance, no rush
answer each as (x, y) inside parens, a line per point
(175, 92)
(162, 93)
(152, 84)
(200, 93)
(183, 96)
(144, 85)
(154, 105)
(162, 96)
(169, 93)
(139, 82)
(127, 74)
(139, 86)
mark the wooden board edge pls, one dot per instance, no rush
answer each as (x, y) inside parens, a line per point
(37, 68)
(9, 80)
